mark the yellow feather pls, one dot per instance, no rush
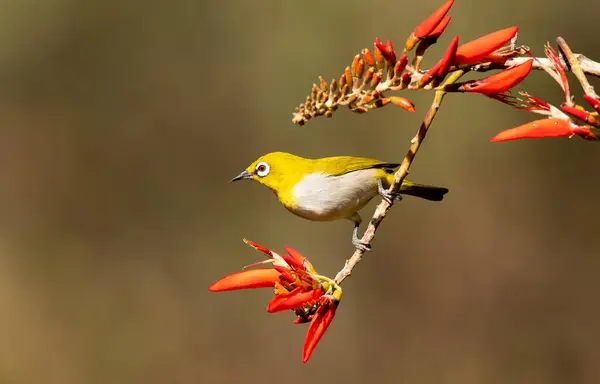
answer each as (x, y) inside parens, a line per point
(340, 165)
(326, 188)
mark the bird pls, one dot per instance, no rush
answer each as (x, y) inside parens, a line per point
(332, 188)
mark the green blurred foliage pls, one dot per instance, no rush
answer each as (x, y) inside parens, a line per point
(122, 123)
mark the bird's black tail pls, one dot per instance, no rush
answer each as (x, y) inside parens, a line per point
(427, 192)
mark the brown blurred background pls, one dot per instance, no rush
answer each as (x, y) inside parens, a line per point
(122, 123)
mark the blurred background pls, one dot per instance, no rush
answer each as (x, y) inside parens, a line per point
(122, 123)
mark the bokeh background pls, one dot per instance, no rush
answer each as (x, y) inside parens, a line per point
(122, 122)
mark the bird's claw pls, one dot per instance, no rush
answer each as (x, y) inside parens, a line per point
(364, 247)
(388, 196)
(358, 244)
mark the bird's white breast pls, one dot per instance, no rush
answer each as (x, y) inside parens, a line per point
(322, 197)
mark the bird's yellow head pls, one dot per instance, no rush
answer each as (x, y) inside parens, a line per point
(278, 171)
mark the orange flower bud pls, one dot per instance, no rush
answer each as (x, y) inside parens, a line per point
(403, 103)
(376, 80)
(500, 82)
(369, 60)
(347, 76)
(379, 58)
(358, 66)
(537, 129)
(475, 50)
(323, 84)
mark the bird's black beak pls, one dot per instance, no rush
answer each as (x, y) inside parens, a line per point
(242, 176)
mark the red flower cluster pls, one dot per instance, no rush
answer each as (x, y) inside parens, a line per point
(489, 48)
(560, 120)
(313, 298)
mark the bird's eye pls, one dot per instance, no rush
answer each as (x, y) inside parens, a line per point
(262, 169)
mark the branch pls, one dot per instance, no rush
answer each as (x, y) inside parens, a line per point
(399, 177)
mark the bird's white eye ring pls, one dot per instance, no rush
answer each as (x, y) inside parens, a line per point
(262, 169)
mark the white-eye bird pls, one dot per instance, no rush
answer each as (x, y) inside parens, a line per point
(331, 188)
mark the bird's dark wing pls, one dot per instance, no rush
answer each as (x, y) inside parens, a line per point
(341, 165)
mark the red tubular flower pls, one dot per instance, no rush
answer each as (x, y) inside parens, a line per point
(320, 321)
(294, 299)
(441, 68)
(428, 25)
(580, 114)
(539, 129)
(587, 133)
(437, 32)
(592, 102)
(446, 61)
(475, 50)
(252, 278)
(314, 298)
(499, 82)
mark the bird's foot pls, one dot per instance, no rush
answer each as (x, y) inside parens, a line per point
(359, 244)
(364, 247)
(388, 196)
